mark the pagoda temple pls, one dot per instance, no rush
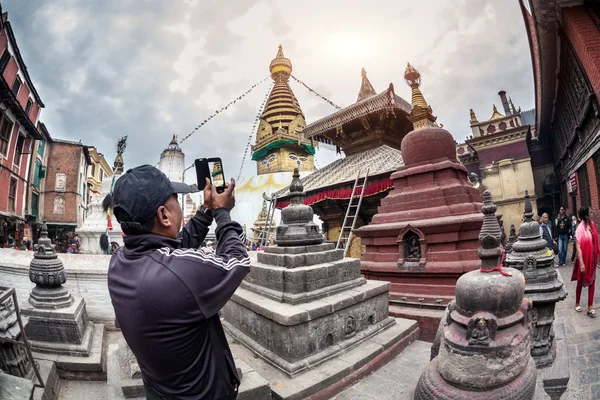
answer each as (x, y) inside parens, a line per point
(277, 149)
(369, 132)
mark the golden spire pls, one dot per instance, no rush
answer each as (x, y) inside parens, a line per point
(366, 89)
(496, 114)
(282, 116)
(281, 67)
(174, 140)
(420, 114)
(473, 117)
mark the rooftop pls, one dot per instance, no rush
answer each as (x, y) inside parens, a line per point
(384, 100)
(380, 160)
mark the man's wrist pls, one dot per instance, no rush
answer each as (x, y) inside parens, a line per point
(221, 215)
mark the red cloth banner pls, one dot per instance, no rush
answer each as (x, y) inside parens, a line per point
(343, 194)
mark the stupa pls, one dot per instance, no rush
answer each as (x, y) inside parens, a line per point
(172, 161)
(485, 342)
(303, 305)
(58, 327)
(543, 284)
(96, 222)
(512, 238)
(277, 149)
(260, 226)
(424, 236)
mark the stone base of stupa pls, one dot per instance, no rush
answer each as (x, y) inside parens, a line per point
(332, 376)
(66, 337)
(309, 322)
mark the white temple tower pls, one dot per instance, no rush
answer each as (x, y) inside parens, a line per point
(172, 161)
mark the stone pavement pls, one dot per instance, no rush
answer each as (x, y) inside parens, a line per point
(396, 380)
(583, 339)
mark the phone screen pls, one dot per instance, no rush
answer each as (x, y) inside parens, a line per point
(216, 173)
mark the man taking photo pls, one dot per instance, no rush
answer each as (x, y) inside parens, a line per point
(167, 294)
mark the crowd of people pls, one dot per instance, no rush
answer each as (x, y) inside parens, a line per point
(581, 232)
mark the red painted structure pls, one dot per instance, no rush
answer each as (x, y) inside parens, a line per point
(433, 200)
(19, 114)
(564, 39)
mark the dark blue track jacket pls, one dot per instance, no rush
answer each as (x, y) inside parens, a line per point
(167, 295)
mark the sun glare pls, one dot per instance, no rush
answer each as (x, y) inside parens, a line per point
(348, 47)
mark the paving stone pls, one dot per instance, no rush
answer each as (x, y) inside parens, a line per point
(593, 360)
(587, 348)
(595, 335)
(596, 391)
(572, 349)
(579, 362)
(580, 338)
(587, 376)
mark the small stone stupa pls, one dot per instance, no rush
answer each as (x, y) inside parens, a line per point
(96, 222)
(303, 304)
(485, 342)
(543, 284)
(512, 238)
(58, 328)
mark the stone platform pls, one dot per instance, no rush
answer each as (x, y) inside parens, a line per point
(301, 306)
(334, 375)
(75, 367)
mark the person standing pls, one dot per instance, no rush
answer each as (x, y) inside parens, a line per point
(573, 230)
(584, 270)
(546, 231)
(167, 294)
(563, 228)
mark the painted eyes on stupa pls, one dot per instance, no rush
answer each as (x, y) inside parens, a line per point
(268, 159)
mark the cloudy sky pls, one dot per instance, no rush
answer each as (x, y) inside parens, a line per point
(153, 68)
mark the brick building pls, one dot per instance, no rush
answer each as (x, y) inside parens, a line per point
(65, 194)
(20, 107)
(564, 38)
(34, 210)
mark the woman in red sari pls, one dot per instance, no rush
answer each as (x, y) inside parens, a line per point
(584, 270)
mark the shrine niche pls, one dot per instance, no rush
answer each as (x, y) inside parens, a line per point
(412, 248)
(59, 205)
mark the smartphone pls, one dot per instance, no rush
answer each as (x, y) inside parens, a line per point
(211, 168)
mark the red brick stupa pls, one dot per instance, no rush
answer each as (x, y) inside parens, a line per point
(425, 234)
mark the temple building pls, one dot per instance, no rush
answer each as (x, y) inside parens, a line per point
(369, 132)
(277, 149)
(189, 208)
(563, 39)
(497, 156)
(172, 161)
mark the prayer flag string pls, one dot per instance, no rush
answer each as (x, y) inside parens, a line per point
(253, 129)
(315, 93)
(240, 97)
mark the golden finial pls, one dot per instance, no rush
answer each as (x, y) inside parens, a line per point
(473, 117)
(496, 114)
(281, 67)
(366, 89)
(174, 140)
(421, 114)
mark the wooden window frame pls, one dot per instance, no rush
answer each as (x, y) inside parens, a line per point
(12, 195)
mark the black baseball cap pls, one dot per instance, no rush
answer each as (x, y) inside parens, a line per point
(138, 194)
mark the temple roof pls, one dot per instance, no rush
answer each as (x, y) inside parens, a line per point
(496, 114)
(366, 89)
(384, 100)
(380, 160)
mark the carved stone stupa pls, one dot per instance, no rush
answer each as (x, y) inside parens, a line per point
(297, 227)
(58, 321)
(484, 351)
(303, 304)
(543, 284)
